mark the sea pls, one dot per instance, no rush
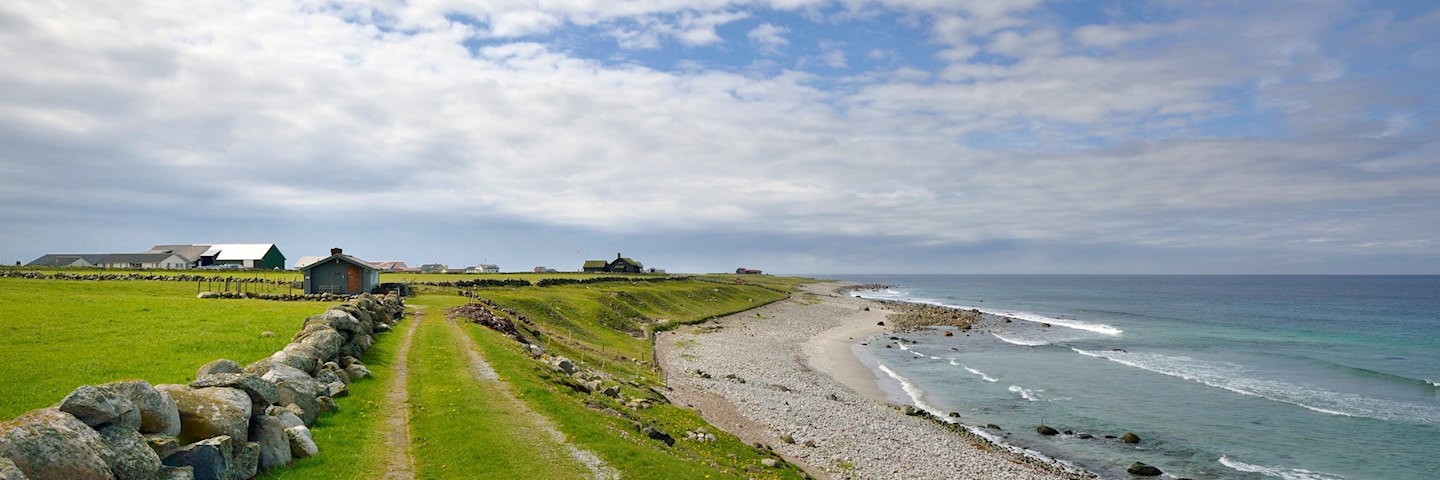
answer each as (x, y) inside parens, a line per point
(1234, 377)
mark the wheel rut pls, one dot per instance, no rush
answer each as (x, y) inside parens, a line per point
(400, 462)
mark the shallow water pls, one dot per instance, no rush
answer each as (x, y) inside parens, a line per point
(1294, 377)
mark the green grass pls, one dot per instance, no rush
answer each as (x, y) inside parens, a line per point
(463, 428)
(56, 335)
(352, 439)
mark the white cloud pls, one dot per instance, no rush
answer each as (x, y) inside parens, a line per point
(278, 108)
(771, 38)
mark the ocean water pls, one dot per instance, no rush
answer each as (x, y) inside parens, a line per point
(1248, 377)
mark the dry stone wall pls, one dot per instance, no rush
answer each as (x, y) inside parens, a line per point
(231, 423)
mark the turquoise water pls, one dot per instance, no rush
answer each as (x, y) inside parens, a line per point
(1251, 377)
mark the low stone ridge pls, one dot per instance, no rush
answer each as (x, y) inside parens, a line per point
(231, 423)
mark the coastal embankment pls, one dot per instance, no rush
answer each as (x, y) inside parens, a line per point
(786, 376)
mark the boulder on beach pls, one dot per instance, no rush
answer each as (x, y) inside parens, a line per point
(1130, 437)
(1046, 430)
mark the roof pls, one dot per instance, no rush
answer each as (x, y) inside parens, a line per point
(191, 252)
(596, 263)
(65, 259)
(240, 251)
(339, 256)
(389, 264)
(139, 257)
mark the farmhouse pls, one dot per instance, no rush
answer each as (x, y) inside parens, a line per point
(167, 261)
(67, 260)
(484, 268)
(390, 266)
(619, 265)
(434, 268)
(340, 273)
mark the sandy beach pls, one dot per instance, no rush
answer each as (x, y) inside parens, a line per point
(784, 375)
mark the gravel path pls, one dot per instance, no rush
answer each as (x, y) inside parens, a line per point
(400, 462)
(757, 363)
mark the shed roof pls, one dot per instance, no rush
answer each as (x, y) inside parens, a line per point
(139, 257)
(63, 259)
(307, 260)
(364, 265)
(190, 252)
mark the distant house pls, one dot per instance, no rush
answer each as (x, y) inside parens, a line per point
(168, 261)
(340, 273)
(619, 265)
(483, 268)
(543, 269)
(263, 256)
(747, 271)
(433, 268)
(67, 260)
(390, 266)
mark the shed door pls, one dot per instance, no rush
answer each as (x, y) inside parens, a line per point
(352, 279)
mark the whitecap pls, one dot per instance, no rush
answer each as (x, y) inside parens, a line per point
(1278, 472)
(916, 394)
(1021, 342)
(1233, 377)
(1026, 393)
(981, 374)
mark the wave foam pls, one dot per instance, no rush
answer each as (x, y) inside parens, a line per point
(1017, 341)
(1278, 472)
(1026, 393)
(916, 394)
(1230, 376)
(1029, 317)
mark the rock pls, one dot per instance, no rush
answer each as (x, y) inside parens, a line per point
(162, 445)
(101, 407)
(177, 473)
(326, 404)
(1130, 437)
(612, 391)
(1143, 470)
(357, 371)
(787, 438)
(993, 426)
(158, 413)
(294, 386)
(949, 333)
(246, 461)
(911, 410)
(536, 351)
(274, 444)
(563, 364)
(1046, 430)
(769, 462)
(207, 295)
(133, 457)
(287, 416)
(267, 334)
(219, 365)
(211, 412)
(49, 444)
(878, 324)
(656, 434)
(301, 445)
(262, 393)
(8, 470)
(1084, 436)
(209, 458)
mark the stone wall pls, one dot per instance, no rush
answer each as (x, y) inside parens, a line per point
(231, 423)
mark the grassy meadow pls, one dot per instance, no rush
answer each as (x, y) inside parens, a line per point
(59, 334)
(56, 335)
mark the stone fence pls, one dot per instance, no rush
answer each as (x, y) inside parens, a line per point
(231, 423)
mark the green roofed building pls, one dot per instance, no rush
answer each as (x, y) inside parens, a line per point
(619, 265)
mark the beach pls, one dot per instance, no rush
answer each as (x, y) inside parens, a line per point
(785, 376)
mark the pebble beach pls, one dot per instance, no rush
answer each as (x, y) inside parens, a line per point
(784, 376)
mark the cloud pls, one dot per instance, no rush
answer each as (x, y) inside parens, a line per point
(1206, 132)
(769, 37)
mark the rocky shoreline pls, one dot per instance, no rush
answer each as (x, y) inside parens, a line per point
(790, 393)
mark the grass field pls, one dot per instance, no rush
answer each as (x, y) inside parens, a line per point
(56, 335)
(59, 334)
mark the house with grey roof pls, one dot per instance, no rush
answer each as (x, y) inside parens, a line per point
(264, 256)
(167, 261)
(67, 260)
(340, 273)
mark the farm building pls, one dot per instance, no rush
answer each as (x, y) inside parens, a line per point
(483, 268)
(747, 271)
(340, 273)
(264, 256)
(169, 261)
(67, 260)
(619, 265)
(434, 268)
(390, 266)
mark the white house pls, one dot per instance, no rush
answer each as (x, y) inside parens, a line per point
(168, 261)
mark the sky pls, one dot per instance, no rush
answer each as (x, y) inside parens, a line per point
(792, 136)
